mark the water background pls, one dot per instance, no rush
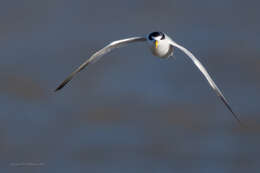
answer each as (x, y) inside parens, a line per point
(130, 112)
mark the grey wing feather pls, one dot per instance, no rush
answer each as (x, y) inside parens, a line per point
(206, 74)
(96, 56)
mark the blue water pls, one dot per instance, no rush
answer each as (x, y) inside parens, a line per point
(130, 112)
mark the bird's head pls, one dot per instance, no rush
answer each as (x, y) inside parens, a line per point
(156, 37)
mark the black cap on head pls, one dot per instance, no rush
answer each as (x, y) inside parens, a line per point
(156, 34)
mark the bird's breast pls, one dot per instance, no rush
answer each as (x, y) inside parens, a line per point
(162, 51)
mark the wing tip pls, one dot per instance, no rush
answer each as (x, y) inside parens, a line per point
(238, 120)
(231, 110)
(59, 87)
(62, 84)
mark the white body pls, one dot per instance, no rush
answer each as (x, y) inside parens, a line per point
(163, 50)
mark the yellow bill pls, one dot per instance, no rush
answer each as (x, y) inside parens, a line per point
(156, 43)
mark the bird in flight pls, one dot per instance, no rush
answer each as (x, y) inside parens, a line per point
(161, 45)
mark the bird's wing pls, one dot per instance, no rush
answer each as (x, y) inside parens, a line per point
(96, 56)
(206, 74)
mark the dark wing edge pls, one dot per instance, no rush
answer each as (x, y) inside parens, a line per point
(95, 57)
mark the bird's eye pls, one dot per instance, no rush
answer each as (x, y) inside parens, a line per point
(163, 37)
(150, 37)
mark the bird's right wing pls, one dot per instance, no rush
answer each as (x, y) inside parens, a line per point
(96, 56)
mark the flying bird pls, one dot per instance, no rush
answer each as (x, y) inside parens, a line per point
(161, 45)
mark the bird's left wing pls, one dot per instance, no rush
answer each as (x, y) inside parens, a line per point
(96, 56)
(206, 74)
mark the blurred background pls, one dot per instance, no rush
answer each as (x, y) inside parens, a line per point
(130, 112)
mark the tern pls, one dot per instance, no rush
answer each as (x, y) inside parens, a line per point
(161, 45)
